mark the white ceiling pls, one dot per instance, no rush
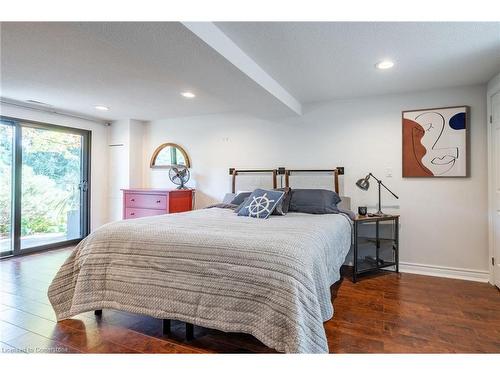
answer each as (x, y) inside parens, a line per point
(139, 69)
(317, 61)
(136, 69)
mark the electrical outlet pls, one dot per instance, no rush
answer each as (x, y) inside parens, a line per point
(388, 172)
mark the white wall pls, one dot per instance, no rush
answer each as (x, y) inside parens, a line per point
(99, 155)
(118, 166)
(125, 138)
(135, 154)
(444, 220)
(494, 84)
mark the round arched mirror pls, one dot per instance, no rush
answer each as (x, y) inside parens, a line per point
(169, 154)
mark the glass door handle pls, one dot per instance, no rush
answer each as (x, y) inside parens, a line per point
(83, 186)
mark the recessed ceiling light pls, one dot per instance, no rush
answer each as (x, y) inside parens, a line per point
(101, 108)
(188, 94)
(384, 64)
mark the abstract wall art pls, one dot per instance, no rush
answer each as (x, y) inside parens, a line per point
(435, 142)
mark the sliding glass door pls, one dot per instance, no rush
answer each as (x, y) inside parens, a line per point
(48, 169)
(6, 187)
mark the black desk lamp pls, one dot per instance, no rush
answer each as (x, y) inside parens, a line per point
(364, 184)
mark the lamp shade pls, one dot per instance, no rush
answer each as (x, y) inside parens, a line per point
(363, 183)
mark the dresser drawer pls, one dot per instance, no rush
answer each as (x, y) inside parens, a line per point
(156, 202)
(134, 213)
(180, 201)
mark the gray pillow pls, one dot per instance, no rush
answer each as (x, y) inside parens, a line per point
(222, 205)
(345, 203)
(349, 213)
(261, 203)
(281, 208)
(314, 201)
(238, 207)
(239, 198)
(228, 197)
(284, 205)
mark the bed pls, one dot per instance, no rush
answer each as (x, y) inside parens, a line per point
(268, 278)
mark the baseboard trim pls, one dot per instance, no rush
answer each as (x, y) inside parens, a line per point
(449, 272)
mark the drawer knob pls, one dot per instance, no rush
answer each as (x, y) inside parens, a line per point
(158, 201)
(132, 213)
(132, 200)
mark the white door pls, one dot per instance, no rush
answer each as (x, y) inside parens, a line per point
(495, 137)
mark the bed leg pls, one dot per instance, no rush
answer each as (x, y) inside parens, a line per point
(189, 331)
(98, 312)
(166, 326)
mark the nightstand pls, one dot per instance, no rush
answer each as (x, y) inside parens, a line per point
(376, 244)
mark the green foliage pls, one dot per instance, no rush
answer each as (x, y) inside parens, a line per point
(5, 197)
(50, 177)
(5, 178)
(40, 196)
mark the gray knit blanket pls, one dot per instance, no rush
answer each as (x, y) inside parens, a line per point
(268, 278)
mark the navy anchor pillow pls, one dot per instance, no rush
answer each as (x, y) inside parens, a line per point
(261, 203)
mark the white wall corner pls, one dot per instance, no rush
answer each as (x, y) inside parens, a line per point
(125, 161)
(494, 84)
(136, 134)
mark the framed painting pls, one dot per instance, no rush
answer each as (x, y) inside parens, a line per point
(435, 142)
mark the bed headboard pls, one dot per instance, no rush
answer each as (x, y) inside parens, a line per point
(235, 172)
(336, 172)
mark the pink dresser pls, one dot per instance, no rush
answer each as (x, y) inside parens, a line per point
(150, 202)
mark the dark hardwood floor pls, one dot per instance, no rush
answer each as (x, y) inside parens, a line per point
(382, 314)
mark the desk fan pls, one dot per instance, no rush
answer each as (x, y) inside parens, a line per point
(179, 175)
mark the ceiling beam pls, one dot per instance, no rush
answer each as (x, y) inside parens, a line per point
(221, 43)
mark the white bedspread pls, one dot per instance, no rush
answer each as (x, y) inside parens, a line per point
(269, 278)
